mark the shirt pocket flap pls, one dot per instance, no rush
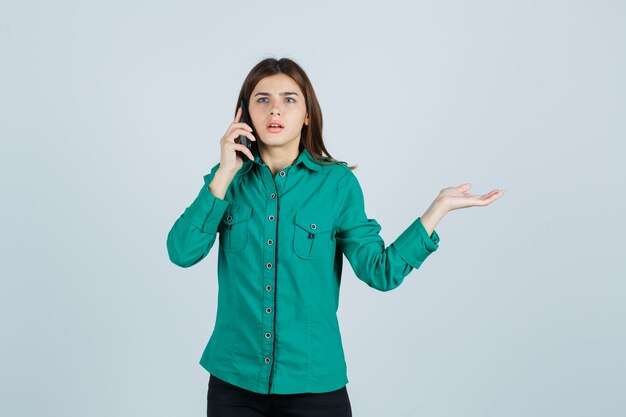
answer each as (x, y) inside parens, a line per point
(237, 215)
(313, 222)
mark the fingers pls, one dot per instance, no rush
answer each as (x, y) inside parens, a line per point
(242, 125)
(237, 124)
(235, 133)
(244, 149)
(464, 187)
(491, 197)
(232, 146)
(497, 192)
(237, 121)
(491, 193)
(247, 134)
(455, 201)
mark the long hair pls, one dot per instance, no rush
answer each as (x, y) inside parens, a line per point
(311, 135)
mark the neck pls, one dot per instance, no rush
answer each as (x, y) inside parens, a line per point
(278, 158)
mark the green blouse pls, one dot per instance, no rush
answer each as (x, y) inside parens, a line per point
(281, 245)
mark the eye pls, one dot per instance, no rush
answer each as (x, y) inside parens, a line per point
(262, 98)
(291, 98)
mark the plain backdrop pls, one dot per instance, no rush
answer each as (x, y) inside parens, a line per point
(111, 113)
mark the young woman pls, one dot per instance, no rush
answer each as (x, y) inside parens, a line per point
(286, 214)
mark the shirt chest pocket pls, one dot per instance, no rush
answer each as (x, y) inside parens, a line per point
(235, 227)
(312, 237)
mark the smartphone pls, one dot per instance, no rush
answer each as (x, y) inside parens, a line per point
(243, 139)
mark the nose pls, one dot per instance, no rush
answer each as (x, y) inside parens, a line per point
(275, 111)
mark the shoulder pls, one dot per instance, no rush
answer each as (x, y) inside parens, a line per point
(341, 179)
(336, 170)
(347, 177)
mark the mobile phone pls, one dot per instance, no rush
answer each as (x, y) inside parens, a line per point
(243, 139)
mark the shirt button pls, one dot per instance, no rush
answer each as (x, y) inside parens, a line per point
(270, 241)
(313, 226)
(268, 288)
(281, 173)
(268, 310)
(269, 265)
(268, 335)
(229, 218)
(267, 360)
(271, 217)
(272, 195)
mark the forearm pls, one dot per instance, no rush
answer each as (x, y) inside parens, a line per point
(187, 244)
(432, 216)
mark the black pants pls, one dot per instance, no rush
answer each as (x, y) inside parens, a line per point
(228, 400)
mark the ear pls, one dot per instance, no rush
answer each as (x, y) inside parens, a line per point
(306, 120)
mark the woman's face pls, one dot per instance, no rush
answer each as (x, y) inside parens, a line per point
(277, 98)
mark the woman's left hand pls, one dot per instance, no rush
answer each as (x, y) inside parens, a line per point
(453, 198)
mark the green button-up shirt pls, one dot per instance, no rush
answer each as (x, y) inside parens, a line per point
(281, 245)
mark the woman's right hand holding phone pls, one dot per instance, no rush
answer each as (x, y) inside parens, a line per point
(230, 161)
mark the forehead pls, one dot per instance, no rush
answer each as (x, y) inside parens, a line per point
(277, 83)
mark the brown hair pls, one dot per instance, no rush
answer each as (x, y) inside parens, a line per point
(311, 135)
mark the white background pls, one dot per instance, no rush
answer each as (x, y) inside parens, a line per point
(111, 113)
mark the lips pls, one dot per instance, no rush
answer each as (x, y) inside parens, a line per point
(275, 126)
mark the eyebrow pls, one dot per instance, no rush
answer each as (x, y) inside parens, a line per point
(286, 93)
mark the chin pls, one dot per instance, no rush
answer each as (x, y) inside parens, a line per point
(277, 140)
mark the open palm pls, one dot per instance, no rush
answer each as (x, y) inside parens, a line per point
(457, 197)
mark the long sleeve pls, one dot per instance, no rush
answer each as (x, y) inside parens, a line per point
(380, 267)
(193, 234)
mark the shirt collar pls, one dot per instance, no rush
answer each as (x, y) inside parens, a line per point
(307, 159)
(304, 157)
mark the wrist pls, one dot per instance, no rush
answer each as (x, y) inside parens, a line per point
(437, 209)
(433, 215)
(220, 182)
(225, 173)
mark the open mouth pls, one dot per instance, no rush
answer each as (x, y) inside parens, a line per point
(275, 126)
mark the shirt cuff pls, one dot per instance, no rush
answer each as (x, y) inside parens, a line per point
(206, 211)
(414, 245)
